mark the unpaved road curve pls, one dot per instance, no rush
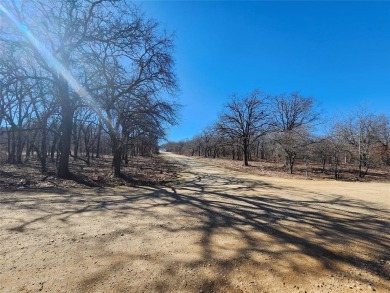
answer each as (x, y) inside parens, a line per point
(212, 231)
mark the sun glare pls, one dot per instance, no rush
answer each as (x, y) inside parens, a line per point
(53, 62)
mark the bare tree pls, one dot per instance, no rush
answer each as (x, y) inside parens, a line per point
(293, 116)
(100, 48)
(44, 106)
(245, 120)
(130, 75)
(383, 136)
(362, 132)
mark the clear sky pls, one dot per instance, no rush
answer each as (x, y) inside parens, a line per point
(337, 52)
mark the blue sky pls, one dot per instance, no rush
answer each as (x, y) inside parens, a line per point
(337, 52)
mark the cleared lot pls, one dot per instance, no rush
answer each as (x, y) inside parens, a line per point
(212, 231)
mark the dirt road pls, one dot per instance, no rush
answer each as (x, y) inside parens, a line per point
(212, 231)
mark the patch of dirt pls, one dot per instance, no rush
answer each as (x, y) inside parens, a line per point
(212, 230)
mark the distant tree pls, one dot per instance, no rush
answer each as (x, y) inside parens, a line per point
(196, 144)
(363, 133)
(383, 137)
(336, 149)
(293, 117)
(45, 106)
(245, 120)
(321, 151)
(15, 108)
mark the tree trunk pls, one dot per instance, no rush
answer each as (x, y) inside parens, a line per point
(98, 140)
(336, 170)
(19, 147)
(11, 146)
(66, 129)
(53, 148)
(76, 136)
(87, 145)
(43, 148)
(28, 151)
(125, 153)
(291, 161)
(117, 150)
(323, 161)
(116, 161)
(246, 153)
(257, 149)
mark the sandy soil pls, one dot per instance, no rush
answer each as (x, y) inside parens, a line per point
(213, 230)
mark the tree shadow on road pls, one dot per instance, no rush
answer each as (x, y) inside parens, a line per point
(333, 230)
(239, 224)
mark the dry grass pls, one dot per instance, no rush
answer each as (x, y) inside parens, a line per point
(311, 171)
(140, 171)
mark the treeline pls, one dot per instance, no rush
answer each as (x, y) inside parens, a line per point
(284, 129)
(81, 79)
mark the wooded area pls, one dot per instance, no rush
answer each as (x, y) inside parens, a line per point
(88, 81)
(85, 80)
(288, 128)
(88, 90)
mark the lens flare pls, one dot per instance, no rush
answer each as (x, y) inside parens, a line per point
(52, 61)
